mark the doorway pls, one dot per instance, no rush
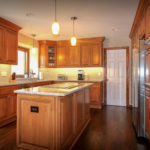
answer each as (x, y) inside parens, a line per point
(116, 62)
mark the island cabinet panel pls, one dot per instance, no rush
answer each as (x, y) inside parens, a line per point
(85, 55)
(66, 116)
(74, 56)
(86, 104)
(36, 117)
(62, 56)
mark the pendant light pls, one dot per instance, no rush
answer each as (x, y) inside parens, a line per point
(55, 25)
(33, 48)
(73, 38)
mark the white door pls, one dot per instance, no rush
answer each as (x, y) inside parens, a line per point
(116, 77)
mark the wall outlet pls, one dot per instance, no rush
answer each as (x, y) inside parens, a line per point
(3, 73)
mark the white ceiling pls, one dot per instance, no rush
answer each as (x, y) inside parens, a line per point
(109, 18)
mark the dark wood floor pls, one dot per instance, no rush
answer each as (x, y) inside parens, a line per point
(109, 129)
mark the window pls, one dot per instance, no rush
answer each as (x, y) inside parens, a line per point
(23, 62)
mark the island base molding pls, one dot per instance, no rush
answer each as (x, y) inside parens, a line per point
(51, 122)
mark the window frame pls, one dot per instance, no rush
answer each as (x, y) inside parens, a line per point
(26, 50)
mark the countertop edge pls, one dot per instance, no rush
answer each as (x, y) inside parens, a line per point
(51, 94)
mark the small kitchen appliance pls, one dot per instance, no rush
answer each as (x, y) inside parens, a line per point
(80, 75)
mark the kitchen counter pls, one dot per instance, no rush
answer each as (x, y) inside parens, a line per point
(50, 90)
(38, 81)
(52, 117)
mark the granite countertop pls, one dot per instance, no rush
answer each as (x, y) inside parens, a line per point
(21, 82)
(57, 90)
(38, 81)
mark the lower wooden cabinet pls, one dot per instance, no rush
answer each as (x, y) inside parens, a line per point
(7, 104)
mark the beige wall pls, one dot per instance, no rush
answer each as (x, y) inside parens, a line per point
(119, 42)
(24, 41)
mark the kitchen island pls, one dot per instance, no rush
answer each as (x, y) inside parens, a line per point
(52, 117)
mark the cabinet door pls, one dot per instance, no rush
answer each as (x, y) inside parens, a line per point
(85, 55)
(2, 48)
(74, 56)
(148, 22)
(62, 56)
(147, 115)
(11, 46)
(96, 57)
(147, 65)
(11, 105)
(3, 107)
(43, 56)
(95, 94)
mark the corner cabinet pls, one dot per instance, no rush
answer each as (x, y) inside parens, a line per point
(8, 42)
(87, 53)
(47, 54)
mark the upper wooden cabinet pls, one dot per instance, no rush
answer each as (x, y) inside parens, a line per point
(87, 53)
(8, 42)
(47, 54)
(62, 56)
(148, 22)
(74, 56)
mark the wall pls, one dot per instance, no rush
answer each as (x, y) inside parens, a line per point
(27, 42)
(71, 73)
(119, 42)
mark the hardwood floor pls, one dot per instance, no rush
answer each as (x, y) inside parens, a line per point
(109, 129)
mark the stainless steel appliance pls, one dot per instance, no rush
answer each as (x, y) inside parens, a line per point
(80, 75)
(61, 77)
(138, 111)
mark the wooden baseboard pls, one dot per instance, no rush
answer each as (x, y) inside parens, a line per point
(78, 136)
(96, 106)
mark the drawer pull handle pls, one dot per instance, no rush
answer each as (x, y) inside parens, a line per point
(34, 109)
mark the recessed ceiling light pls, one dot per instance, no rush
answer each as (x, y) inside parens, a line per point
(29, 14)
(115, 29)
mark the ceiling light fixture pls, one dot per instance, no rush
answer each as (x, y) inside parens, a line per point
(33, 48)
(73, 38)
(55, 25)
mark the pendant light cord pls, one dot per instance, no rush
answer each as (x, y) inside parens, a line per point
(73, 27)
(55, 11)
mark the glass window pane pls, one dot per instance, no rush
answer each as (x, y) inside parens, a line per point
(20, 68)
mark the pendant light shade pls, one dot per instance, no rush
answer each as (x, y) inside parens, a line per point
(73, 41)
(55, 25)
(33, 48)
(73, 38)
(55, 28)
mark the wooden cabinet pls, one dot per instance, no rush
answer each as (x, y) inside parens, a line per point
(96, 95)
(62, 56)
(96, 55)
(74, 56)
(8, 42)
(47, 54)
(7, 104)
(147, 111)
(87, 53)
(57, 125)
(148, 22)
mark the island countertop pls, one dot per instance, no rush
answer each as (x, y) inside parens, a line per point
(61, 89)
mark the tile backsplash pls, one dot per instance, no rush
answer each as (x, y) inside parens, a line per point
(72, 73)
(5, 72)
